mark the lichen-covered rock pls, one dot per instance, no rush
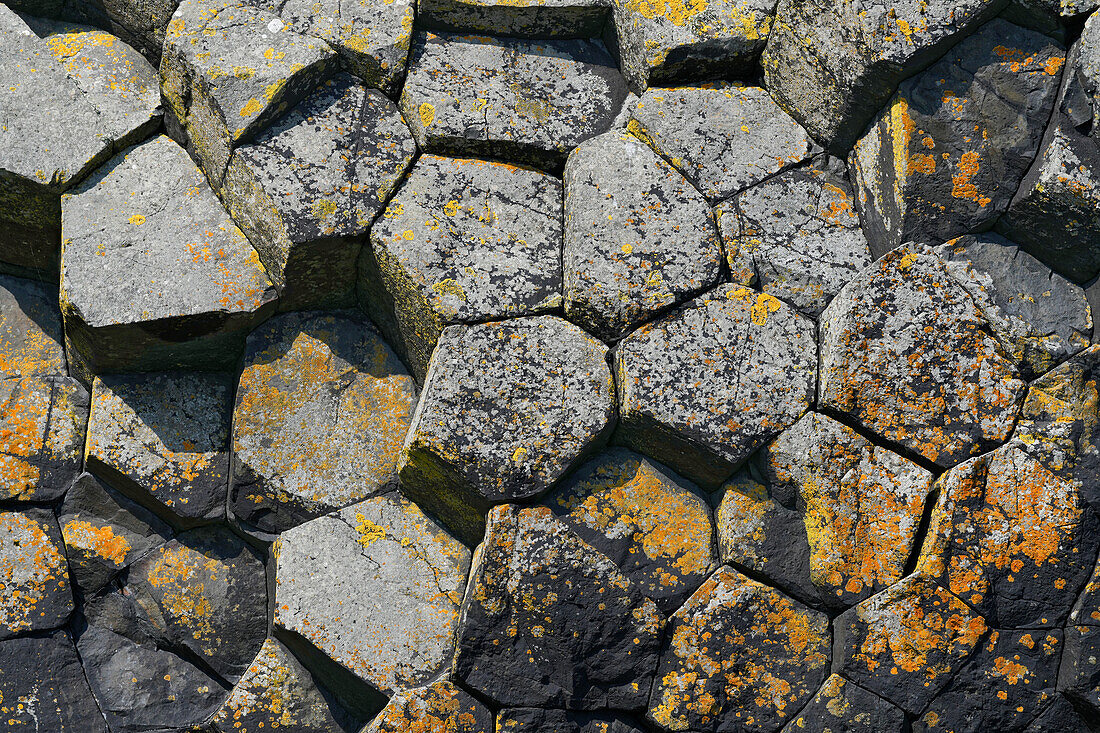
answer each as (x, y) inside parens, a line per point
(742, 656)
(653, 524)
(228, 70)
(42, 424)
(305, 191)
(548, 621)
(947, 154)
(538, 720)
(473, 95)
(142, 23)
(437, 708)
(662, 41)
(906, 352)
(104, 532)
(163, 439)
(463, 241)
(30, 330)
(34, 579)
(508, 409)
(1079, 675)
(833, 65)
(518, 18)
(722, 138)
(841, 706)
(322, 410)
(906, 642)
(376, 587)
(161, 280)
(43, 688)
(638, 237)
(701, 389)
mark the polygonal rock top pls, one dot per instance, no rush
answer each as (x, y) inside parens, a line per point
(34, 579)
(440, 706)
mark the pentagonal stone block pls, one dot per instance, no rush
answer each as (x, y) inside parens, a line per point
(906, 352)
(526, 19)
(841, 705)
(692, 397)
(533, 720)
(508, 409)
(660, 42)
(322, 410)
(551, 622)
(797, 235)
(30, 330)
(104, 532)
(722, 138)
(834, 65)
(726, 668)
(34, 579)
(42, 685)
(472, 95)
(161, 280)
(440, 706)
(42, 424)
(653, 524)
(399, 634)
(463, 241)
(308, 187)
(638, 237)
(229, 69)
(163, 439)
(906, 642)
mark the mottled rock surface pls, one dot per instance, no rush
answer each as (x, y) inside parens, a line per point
(30, 330)
(532, 720)
(841, 706)
(42, 686)
(441, 707)
(34, 579)
(518, 18)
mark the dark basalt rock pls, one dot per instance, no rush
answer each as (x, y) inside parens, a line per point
(42, 686)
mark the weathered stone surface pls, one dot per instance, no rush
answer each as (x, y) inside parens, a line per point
(441, 707)
(690, 396)
(472, 95)
(376, 587)
(742, 656)
(1079, 675)
(308, 187)
(163, 439)
(142, 23)
(322, 410)
(463, 241)
(1059, 717)
(34, 579)
(30, 330)
(42, 423)
(661, 42)
(535, 720)
(834, 65)
(205, 591)
(650, 522)
(722, 138)
(519, 18)
(905, 351)
(43, 688)
(548, 621)
(947, 154)
(104, 532)
(164, 280)
(905, 643)
(507, 410)
(841, 706)
(638, 237)
(278, 692)
(229, 69)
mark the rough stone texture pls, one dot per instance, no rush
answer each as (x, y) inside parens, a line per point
(322, 410)
(518, 18)
(797, 235)
(34, 579)
(441, 707)
(160, 280)
(946, 156)
(906, 353)
(650, 522)
(688, 396)
(1079, 675)
(1059, 717)
(376, 587)
(525, 101)
(43, 688)
(722, 138)
(163, 439)
(535, 720)
(507, 410)
(742, 656)
(463, 241)
(30, 330)
(833, 65)
(841, 706)
(548, 621)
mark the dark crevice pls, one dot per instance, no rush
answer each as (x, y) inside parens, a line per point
(879, 441)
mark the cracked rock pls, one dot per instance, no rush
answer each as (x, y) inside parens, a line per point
(536, 720)
(42, 686)
(531, 19)
(30, 330)
(1079, 675)
(34, 579)
(841, 706)
(439, 707)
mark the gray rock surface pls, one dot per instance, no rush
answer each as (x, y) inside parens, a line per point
(42, 685)
(522, 19)
(841, 706)
(34, 580)
(441, 706)
(30, 330)
(532, 720)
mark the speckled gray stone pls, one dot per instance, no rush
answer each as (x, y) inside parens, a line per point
(517, 18)
(441, 706)
(30, 330)
(524, 101)
(463, 241)
(534, 720)
(638, 237)
(43, 687)
(34, 578)
(309, 186)
(703, 388)
(508, 409)
(156, 275)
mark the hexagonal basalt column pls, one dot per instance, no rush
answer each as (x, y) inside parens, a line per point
(34, 578)
(508, 409)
